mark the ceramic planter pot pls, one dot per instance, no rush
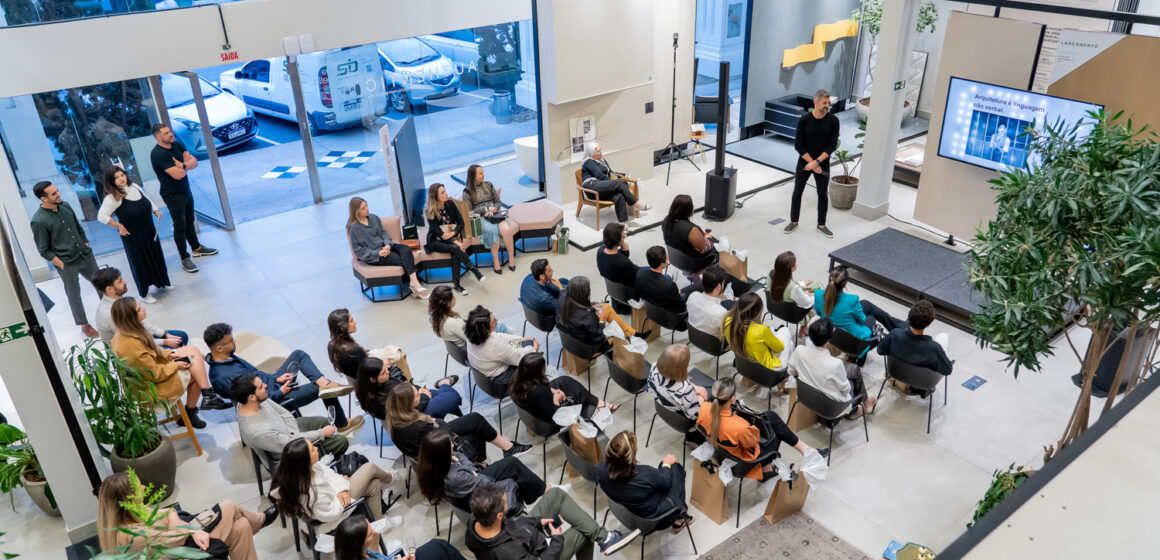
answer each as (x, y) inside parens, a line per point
(843, 191)
(863, 108)
(158, 467)
(35, 489)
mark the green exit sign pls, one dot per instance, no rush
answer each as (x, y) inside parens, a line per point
(899, 85)
(13, 332)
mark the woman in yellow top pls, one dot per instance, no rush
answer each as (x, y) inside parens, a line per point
(743, 322)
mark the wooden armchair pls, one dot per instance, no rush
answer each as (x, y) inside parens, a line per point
(589, 197)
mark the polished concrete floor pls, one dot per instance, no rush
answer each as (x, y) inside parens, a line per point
(281, 275)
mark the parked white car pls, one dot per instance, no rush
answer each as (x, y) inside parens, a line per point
(461, 46)
(231, 122)
(339, 87)
(416, 72)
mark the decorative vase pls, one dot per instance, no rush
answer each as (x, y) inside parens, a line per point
(862, 107)
(35, 489)
(158, 467)
(843, 191)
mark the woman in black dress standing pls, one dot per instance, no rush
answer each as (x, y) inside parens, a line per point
(132, 209)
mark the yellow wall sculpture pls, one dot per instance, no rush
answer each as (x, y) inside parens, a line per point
(822, 34)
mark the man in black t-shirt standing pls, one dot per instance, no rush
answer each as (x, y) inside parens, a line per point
(171, 162)
(816, 140)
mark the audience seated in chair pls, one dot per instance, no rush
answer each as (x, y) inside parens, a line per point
(376, 378)
(783, 286)
(496, 536)
(654, 287)
(447, 475)
(173, 372)
(612, 259)
(483, 199)
(817, 364)
(494, 354)
(681, 234)
(910, 345)
(445, 235)
(744, 437)
(265, 425)
(112, 286)
(235, 527)
(446, 323)
(225, 366)
(707, 308)
(408, 427)
(373, 246)
(345, 354)
(760, 345)
(540, 289)
(354, 539)
(670, 381)
(584, 321)
(532, 391)
(598, 175)
(860, 318)
(644, 490)
(304, 487)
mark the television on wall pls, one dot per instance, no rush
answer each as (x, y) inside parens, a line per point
(985, 124)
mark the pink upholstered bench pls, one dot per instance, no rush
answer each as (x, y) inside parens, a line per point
(371, 276)
(538, 218)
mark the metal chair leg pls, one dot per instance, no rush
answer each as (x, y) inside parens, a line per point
(716, 375)
(642, 539)
(516, 437)
(634, 411)
(437, 532)
(831, 444)
(499, 415)
(929, 409)
(445, 363)
(606, 382)
(740, 484)
(865, 426)
(787, 418)
(524, 332)
(690, 532)
(297, 535)
(544, 456)
(650, 429)
(946, 389)
(470, 395)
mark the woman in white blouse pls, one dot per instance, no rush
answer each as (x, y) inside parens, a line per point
(446, 322)
(785, 288)
(126, 209)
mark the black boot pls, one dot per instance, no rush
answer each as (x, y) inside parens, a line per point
(196, 422)
(211, 401)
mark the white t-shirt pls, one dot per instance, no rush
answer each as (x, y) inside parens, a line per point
(706, 314)
(822, 371)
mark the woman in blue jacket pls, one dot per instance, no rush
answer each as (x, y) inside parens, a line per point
(853, 315)
(643, 490)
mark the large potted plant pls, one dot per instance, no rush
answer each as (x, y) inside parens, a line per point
(121, 405)
(1002, 484)
(20, 467)
(144, 504)
(869, 17)
(844, 187)
(1075, 238)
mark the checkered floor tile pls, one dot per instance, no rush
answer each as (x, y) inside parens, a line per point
(345, 159)
(283, 172)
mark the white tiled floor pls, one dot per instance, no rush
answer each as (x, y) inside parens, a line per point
(281, 276)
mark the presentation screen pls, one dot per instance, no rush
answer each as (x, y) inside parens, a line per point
(985, 124)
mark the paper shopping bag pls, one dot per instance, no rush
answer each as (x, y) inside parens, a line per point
(628, 360)
(573, 364)
(641, 323)
(394, 354)
(736, 267)
(787, 499)
(709, 494)
(802, 417)
(587, 448)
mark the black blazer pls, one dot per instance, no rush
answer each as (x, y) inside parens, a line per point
(660, 290)
(584, 326)
(449, 215)
(592, 169)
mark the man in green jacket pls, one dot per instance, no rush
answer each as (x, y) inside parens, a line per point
(61, 240)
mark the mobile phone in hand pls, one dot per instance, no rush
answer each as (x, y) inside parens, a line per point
(182, 359)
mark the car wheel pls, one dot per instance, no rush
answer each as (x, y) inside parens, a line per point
(400, 101)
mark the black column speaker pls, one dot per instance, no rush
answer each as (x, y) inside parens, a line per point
(721, 183)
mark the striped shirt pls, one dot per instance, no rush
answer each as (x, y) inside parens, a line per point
(675, 393)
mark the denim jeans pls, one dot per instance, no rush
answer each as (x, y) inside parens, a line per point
(300, 362)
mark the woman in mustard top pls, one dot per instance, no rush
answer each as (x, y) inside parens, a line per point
(743, 322)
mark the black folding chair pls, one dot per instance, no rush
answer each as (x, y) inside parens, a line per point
(829, 411)
(581, 350)
(710, 345)
(543, 322)
(787, 311)
(667, 319)
(586, 469)
(647, 526)
(676, 420)
(454, 352)
(539, 427)
(493, 389)
(761, 375)
(918, 378)
(848, 343)
(634, 383)
(356, 506)
(681, 261)
(619, 292)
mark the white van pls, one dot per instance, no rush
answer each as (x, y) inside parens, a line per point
(340, 87)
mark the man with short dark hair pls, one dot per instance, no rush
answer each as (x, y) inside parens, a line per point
(818, 365)
(495, 536)
(707, 308)
(171, 162)
(910, 345)
(283, 388)
(612, 260)
(654, 287)
(61, 240)
(815, 142)
(541, 288)
(265, 425)
(111, 285)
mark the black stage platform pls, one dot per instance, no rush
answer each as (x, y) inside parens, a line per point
(906, 268)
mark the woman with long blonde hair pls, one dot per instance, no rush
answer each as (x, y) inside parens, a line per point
(483, 198)
(372, 245)
(642, 489)
(445, 234)
(745, 438)
(236, 525)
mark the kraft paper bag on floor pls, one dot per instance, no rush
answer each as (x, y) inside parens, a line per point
(802, 417)
(641, 323)
(628, 360)
(736, 267)
(708, 494)
(395, 354)
(588, 448)
(787, 499)
(573, 364)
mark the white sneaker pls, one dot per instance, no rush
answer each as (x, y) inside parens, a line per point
(168, 288)
(149, 299)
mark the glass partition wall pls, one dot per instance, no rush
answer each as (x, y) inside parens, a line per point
(276, 134)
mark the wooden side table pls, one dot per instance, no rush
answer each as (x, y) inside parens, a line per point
(696, 137)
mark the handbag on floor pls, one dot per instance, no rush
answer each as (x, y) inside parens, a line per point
(350, 462)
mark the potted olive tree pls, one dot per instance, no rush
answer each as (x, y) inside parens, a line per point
(869, 17)
(20, 467)
(1076, 237)
(121, 405)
